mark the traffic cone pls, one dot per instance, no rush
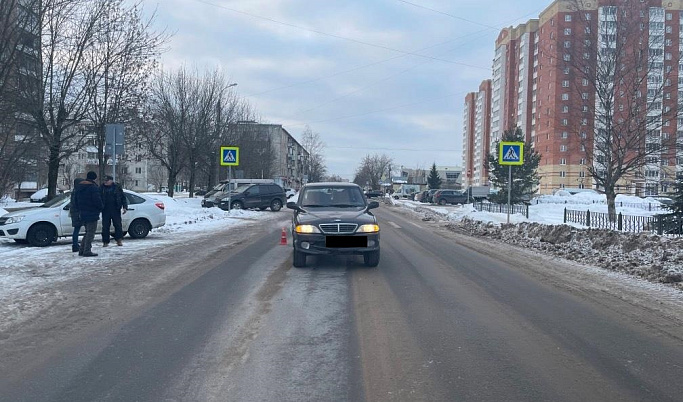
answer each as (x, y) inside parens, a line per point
(283, 237)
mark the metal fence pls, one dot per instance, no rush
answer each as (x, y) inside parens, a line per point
(648, 206)
(502, 208)
(660, 224)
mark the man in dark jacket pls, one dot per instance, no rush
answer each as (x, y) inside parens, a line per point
(88, 202)
(114, 201)
(75, 215)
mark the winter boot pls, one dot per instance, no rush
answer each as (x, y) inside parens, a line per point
(74, 248)
(119, 242)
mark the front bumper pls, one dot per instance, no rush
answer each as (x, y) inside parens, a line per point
(13, 231)
(317, 244)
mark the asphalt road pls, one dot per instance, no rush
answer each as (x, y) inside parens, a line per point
(440, 319)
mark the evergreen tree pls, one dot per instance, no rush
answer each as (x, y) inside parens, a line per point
(524, 177)
(434, 180)
(677, 206)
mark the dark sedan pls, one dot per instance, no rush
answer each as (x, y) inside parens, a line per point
(334, 218)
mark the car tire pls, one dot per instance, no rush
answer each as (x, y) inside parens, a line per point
(299, 259)
(41, 235)
(275, 205)
(371, 259)
(139, 228)
(236, 205)
(442, 202)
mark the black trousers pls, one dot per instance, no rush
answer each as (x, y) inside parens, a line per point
(111, 218)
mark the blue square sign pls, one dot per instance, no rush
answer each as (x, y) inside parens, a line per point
(230, 156)
(511, 153)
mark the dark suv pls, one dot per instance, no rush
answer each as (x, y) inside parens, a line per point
(443, 197)
(259, 196)
(334, 218)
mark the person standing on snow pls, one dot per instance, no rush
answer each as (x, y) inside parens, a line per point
(88, 202)
(114, 201)
(75, 215)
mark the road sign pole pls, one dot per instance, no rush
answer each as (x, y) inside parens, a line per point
(509, 189)
(113, 163)
(229, 185)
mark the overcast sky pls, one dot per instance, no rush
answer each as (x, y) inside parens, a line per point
(370, 76)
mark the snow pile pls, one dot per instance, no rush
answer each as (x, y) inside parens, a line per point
(654, 258)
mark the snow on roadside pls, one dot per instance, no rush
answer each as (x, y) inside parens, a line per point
(26, 270)
(658, 259)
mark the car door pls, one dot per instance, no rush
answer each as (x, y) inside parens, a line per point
(65, 219)
(252, 197)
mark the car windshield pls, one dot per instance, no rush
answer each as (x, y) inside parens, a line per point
(338, 197)
(57, 200)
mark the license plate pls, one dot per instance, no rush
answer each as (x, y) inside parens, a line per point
(346, 241)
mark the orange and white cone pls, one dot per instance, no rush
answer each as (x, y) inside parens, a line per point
(283, 237)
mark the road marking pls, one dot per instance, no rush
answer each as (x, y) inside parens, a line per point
(414, 224)
(394, 224)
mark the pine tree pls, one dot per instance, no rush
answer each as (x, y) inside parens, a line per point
(677, 206)
(524, 177)
(434, 180)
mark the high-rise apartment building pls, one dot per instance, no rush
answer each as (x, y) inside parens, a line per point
(477, 126)
(549, 77)
(468, 138)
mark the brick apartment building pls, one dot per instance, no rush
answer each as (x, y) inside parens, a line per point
(537, 85)
(476, 137)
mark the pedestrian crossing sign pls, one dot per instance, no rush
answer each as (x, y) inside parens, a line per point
(511, 153)
(230, 156)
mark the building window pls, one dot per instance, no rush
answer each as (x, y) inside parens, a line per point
(565, 96)
(588, 16)
(138, 170)
(567, 31)
(668, 29)
(587, 30)
(563, 148)
(584, 95)
(567, 44)
(565, 84)
(563, 173)
(568, 18)
(137, 183)
(668, 41)
(669, 16)
(566, 57)
(583, 161)
(563, 161)
(566, 70)
(565, 122)
(565, 109)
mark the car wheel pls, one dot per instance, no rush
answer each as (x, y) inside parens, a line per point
(236, 205)
(299, 259)
(275, 205)
(371, 259)
(442, 202)
(41, 235)
(138, 229)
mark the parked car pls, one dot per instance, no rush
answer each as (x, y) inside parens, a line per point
(41, 195)
(374, 193)
(430, 195)
(419, 196)
(43, 225)
(259, 196)
(289, 192)
(333, 219)
(443, 197)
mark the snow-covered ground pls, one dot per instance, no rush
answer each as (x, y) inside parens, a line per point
(658, 259)
(26, 269)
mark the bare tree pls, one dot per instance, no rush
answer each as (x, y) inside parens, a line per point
(123, 55)
(371, 169)
(59, 101)
(315, 165)
(624, 106)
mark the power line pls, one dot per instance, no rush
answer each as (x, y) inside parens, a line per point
(398, 149)
(339, 36)
(449, 15)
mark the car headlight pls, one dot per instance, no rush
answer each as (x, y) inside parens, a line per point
(226, 199)
(373, 228)
(306, 229)
(14, 219)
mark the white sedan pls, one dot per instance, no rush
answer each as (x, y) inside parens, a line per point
(42, 225)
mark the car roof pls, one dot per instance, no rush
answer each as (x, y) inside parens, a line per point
(332, 184)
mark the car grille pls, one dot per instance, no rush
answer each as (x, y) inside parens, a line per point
(338, 227)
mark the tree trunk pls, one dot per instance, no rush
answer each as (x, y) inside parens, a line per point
(171, 183)
(611, 204)
(52, 171)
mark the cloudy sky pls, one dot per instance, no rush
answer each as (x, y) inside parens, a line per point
(370, 76)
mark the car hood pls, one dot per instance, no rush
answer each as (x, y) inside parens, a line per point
(331, 215)
(29, 211)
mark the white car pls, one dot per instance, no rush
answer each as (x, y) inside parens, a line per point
(290, 193)
(43, 225)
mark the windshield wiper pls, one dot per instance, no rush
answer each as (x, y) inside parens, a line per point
(314, 205)
(346, 206)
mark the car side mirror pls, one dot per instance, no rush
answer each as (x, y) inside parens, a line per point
(67, 207)
(373, 204)
(293, 205)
